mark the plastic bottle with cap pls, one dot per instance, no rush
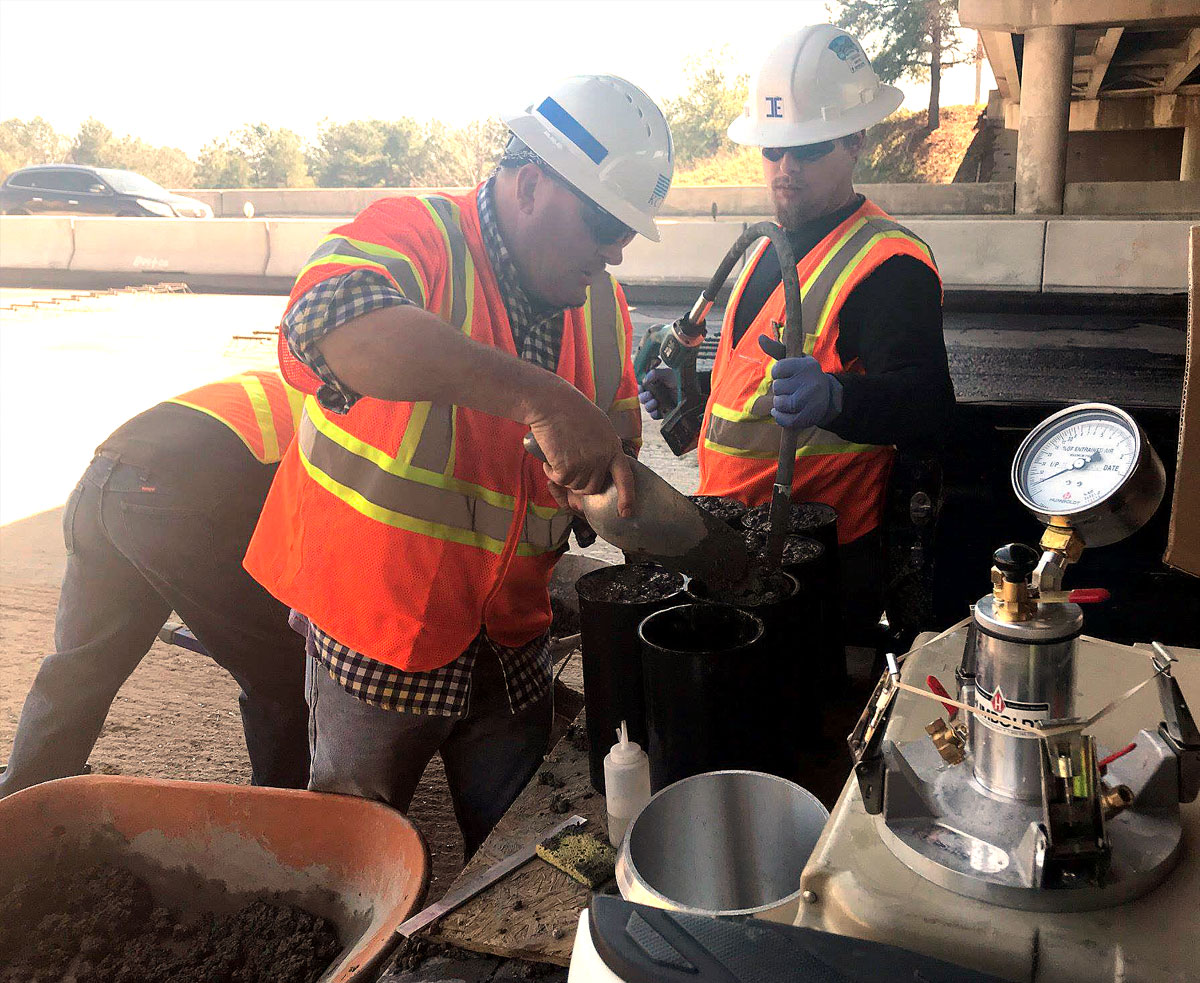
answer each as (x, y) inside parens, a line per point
(626, 783)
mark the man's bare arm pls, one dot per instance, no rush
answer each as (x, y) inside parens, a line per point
(405, 353)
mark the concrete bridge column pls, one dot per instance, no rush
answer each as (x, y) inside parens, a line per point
(1189, 166)
(1045, 112)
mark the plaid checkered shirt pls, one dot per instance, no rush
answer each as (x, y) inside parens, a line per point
(537, 332)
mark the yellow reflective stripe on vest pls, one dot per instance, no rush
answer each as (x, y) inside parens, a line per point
(861, 244)
(408, 497)
(818, 293)
(260, 404)
(759, 440)
(757, 404)
(462, 267)
(262, 415)
(295, 400)
(357, 252)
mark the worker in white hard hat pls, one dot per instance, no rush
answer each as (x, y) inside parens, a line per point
(406, 523)
(874, 373)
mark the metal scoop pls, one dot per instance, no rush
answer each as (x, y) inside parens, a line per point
(666, 527)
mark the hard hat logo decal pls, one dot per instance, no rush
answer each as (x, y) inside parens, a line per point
(661, 187)
(572, 129)
(775, 107)
(844, 47)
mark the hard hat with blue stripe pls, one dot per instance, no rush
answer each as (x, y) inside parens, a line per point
(608, 139)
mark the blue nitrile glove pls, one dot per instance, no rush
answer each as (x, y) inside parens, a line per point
(805, 395)
(661, 376)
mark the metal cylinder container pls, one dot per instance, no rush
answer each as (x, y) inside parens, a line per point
(1024, 671)
(726, 843)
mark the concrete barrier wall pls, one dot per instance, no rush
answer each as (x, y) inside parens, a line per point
(165, 245)
(1112, 256)
(1094, 255)
(682, 200)
(985, 254)
(293, 240)
(36, 243)
(688, 253)
(1133, 198)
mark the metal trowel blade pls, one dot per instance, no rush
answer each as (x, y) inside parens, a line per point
(666, 527)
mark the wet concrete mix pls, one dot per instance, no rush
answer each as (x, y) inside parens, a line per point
(99, 923)
(804, 517)
(633, 583)
(727, 509)
(797, 550)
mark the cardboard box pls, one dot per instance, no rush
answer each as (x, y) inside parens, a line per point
(1183, 538)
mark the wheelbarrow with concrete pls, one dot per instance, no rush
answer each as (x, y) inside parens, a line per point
(212, 847)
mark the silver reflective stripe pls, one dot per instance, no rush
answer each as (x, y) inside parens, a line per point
(437, 439)
(437, 436)
(416, 500)
(399, 269)
(606, 345)
(627, 423)
(448, 213)
(760, 438)
(552, 532)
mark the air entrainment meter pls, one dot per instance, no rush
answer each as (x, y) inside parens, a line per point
(1014, 805)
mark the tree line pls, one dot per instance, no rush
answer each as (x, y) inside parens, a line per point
(914, 39)
(356, 154)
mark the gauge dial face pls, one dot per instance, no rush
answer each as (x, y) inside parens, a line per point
(1076, 460)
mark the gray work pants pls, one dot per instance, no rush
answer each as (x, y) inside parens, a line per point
(138, 547)
(490, 754)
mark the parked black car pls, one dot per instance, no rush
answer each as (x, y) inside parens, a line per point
(70, 189)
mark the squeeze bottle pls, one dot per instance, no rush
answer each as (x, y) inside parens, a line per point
(626, 784)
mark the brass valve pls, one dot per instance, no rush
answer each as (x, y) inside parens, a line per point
(1062, 546)
(951, 742)
(1010, 582)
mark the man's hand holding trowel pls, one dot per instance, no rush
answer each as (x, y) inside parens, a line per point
(584, 458)
(641, 514)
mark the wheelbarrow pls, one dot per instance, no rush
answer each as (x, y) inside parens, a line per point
(210, 846)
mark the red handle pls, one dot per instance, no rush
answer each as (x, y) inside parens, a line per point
(1089, 595)
(938, 689)
(1104, 762)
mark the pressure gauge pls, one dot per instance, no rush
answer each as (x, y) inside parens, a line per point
(1090, 466)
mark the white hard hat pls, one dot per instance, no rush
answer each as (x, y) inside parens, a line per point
(608, 139)
(816, 85)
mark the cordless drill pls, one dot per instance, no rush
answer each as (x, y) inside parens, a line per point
(678, 350)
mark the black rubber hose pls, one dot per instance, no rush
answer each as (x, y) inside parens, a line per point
(794, 337)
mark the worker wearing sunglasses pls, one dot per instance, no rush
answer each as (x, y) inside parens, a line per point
(874, 373)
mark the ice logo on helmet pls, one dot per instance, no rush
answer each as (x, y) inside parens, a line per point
(848, 51)
(661, 187)
(776, 110)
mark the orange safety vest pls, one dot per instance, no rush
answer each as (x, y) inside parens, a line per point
(259, 407)
(739, 442)
(399, 528)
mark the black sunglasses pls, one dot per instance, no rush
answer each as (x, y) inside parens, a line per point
(811, 151)
(605, 228)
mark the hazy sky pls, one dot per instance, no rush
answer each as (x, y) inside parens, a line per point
(180, 72)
